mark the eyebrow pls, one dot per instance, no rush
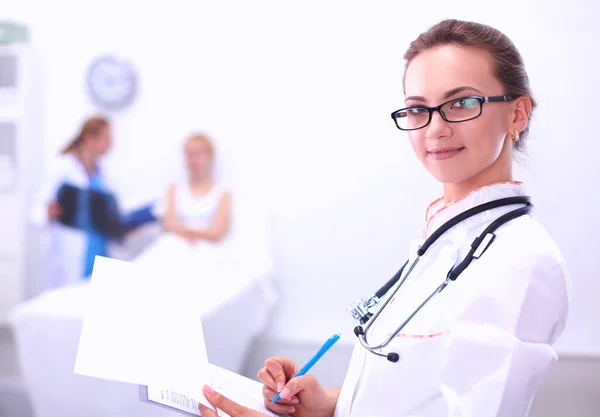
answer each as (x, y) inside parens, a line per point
(447, 94)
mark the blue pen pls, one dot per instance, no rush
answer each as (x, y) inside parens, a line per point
(326, 346)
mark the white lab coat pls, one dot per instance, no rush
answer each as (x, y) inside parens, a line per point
(65, 247)
(481, 347)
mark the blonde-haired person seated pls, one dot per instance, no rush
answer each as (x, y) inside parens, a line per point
(196, 216)
(198, 209)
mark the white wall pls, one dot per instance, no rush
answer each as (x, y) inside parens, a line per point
(298, 98)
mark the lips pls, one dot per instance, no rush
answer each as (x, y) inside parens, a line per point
(445, 153)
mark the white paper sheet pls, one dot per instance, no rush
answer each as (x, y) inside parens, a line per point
(238, 388)
(143, 327)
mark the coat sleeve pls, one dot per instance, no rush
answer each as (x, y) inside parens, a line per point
(500, 345)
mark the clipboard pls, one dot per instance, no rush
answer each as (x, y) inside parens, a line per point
(238, 388)
(169, 400)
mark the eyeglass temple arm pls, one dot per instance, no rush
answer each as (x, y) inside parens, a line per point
(497, 99)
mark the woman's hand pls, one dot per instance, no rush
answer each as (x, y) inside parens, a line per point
(54, 211)
(228, 406)
(180, 230)
(304, 392)
(187, 235)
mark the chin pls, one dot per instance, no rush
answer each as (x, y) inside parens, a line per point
(446, 176)
(198, 173)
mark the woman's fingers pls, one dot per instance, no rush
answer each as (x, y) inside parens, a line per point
(269, 395)
(267, 379)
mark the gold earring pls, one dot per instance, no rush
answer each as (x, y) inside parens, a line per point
(515, 136)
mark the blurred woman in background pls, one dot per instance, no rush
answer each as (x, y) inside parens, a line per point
(74, 241)
(198, 209)
(196, 217)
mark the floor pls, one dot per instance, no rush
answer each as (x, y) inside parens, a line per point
(13, 399)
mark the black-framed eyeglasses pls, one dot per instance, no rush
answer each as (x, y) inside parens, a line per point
(453, 111)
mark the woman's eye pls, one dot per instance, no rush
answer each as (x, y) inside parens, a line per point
(417, 110)
(464, 103)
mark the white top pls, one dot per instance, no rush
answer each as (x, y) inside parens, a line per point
(197, 212)
(481, 347)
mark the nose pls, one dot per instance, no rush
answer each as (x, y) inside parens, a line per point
(438, 128)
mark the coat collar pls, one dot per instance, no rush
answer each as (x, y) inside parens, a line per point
(439, 213)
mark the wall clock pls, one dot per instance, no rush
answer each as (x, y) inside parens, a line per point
(112, 83)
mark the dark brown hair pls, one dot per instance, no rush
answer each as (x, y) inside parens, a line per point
(92, 126)
(507, 63)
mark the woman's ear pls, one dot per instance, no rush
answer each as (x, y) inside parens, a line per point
(520, 115)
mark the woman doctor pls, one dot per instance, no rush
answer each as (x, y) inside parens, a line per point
(481, 347)
(70, 253)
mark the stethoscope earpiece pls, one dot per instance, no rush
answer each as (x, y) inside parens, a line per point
(358, 330)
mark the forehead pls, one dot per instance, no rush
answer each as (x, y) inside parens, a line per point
(196, 145)
(102, 134)
(438, 70)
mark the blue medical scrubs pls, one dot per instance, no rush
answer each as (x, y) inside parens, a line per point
(97, 245)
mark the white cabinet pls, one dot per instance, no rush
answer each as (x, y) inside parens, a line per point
(10, 227)
(21, 153)
(11, 273)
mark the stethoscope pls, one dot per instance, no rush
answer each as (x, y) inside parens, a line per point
(363, 310)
